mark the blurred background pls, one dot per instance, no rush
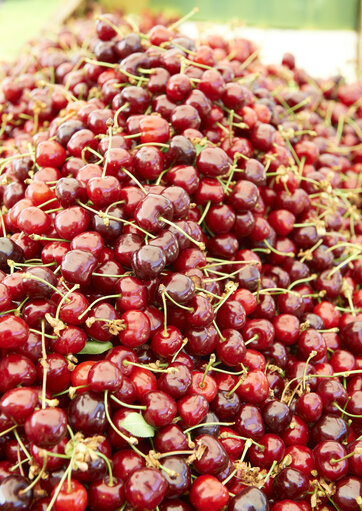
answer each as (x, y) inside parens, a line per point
(324, 35)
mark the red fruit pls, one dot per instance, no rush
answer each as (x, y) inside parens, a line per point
(74, 500)
(208, 494)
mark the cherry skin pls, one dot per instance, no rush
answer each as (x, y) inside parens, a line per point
(13, 495)
(145, 488)
(348, 490)
(75, 499)
(192, 409)
(104, 375)
(207, 493)
(302, 458)
(326, 455)
(161, 408)
(13, 331)
(106, 496)
(47, 427)
(214, 458)
(290, 483)
(250, 498)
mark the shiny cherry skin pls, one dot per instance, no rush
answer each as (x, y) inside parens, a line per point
(208, 493)
(145, 489)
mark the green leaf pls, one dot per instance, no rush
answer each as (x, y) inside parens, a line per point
(135, 424)
(95, 348)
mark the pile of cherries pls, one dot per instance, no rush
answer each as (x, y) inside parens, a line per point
(181, 262)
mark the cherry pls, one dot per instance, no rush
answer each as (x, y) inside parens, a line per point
(225, 405)
(192, 409)
(214, 458)
(104, 495)
(70, 497)
(104, 375)
(46, 428)
(58, 374)
(326, 455)
(309, 407)
(13, 331)
(277, 416)
(296, 433)
(170, 438)
(145, 488)
(250, 498)
(161, 408)
(178, 383)
(249, 422)
(18, 403)
(144, 381)
(207, 493)
(302, 458)
(148, 262)
(348, 491)
(272, 450)
(254, 387)
(137, 328)
(329, 427)
(86, 413)
(50, 154)
(71, 221)
(231, 349)
(77, 266)
(12, 494)
(290, 483)
(16, 369)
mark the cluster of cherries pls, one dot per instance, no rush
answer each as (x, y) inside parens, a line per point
(180, 272)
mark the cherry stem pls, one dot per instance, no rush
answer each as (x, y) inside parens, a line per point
(38, 477)
(207, 369)
(302, 281)
(247, 445)
(126, 405)
(184, 307)
(226, 434)
(178, 351)
(184, 18)
(20, 442)
(230, 476)
(174, 453)
(254, 338)
(109, 467)
(216, 326)
(6, 431)
(165, 333)
(147, 366)
(202, 290)
(240, 381)
(227, 372)
(202, 424)
(204, 213)
(48, 336)
(343, 263)
(43, 281)
(232, 288)
(59, 487)
(356, 451)
(93, 303)
(131, 176)
(64, 298)
(270, 471)
(44, 364)
(199, 244)
(131, 440)
(278, 252)
(346, 413)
